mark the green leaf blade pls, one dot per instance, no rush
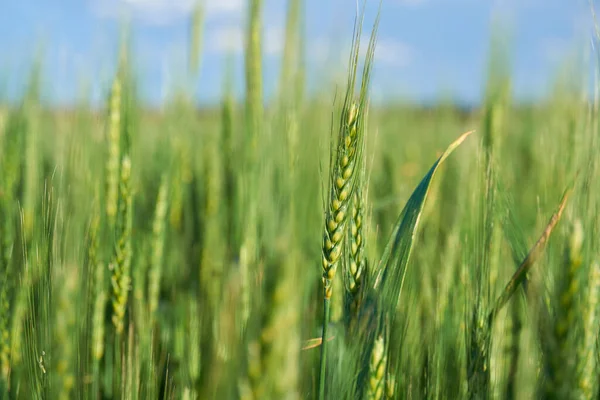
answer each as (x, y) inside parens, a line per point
(392, 266)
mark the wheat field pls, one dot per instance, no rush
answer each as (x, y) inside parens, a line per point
(300, 247)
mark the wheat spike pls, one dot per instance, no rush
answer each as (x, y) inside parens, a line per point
(121, 263)
(158, 234)
(341, 191)
(376, 387)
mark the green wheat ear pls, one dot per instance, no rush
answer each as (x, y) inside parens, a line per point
(97, 284)
(346, 161)
(376, 386)
(121, 263)
(587, 350)
(158, 244)
(561, 373)
(357, 262)
(342, 190)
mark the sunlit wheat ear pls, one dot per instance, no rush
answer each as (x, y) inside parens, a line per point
(346, 160)
(588, 352)
(158, 239)
(98, 292)
(194, 357)
(390, 386)
(357, 262)
(113, 160)
(100, 298)
(570, 285)
(279, 336)
(376, 387)
(255, 370)
(121, 262)
(562, 363)
(341, 190)
(63, 328)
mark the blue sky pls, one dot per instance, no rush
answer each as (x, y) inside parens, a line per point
(427, 48)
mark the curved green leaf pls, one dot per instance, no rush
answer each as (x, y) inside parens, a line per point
(392, 266)
(533, 255)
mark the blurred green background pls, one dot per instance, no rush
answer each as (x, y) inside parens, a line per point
(161, 233)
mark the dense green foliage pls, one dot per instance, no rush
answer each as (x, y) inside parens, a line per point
(186, 254)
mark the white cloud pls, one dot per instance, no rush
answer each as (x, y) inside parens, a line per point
(213, 7)
(389, 52)
(411, 2)
(227, 39)
(555, 50)
(273, 41)
(393, 53)
(165, 12)
(419, 3)
(231, 40)
(319, 50)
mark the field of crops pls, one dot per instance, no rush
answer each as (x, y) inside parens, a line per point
(203, 254)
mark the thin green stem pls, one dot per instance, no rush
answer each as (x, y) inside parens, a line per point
(326, 311)
(96, 379)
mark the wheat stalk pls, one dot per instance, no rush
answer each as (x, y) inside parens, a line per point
(343, 177)
(345, 166)
(112, 163)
